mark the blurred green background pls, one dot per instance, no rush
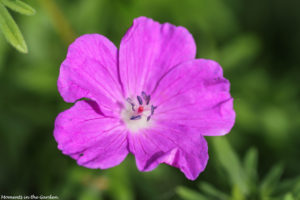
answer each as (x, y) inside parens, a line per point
(257, 43)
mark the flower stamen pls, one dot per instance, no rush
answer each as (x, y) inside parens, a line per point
(136, 117)
(146, 97)
(148, 118)
(138, 113)
(152, 109)
(131, 103)
(140, 100)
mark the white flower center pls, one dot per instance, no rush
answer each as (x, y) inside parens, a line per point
(137, 113)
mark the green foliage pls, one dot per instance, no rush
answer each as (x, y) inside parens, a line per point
(8, 25)
(210, 190)
(230, 162)
(189, 194)
(240, 50)
(288, 197)
(19, 6)
(11, 30)
(269, 183)
(248, 187)
(250, 166)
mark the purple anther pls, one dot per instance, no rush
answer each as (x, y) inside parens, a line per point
(131, 103)
(136, 117)
(148, 100)
(148, 118)
(140, 100)
(129, 100)
(132, 107)
(146, 97)
(152, 109)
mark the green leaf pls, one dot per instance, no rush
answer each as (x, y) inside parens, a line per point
(288, 185)
(90, 194)
(19, 6)
(271, 180)
(288, 196)
(120, 185)
(212, 191)
(237, 194)
(188, 194)
(240, 50)
(11, 30)
(250, 165)
(231, 163)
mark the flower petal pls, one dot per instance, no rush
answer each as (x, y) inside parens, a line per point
(90, 71)
(90, 138)
(171, 144)
(196, 95)
(149, 50)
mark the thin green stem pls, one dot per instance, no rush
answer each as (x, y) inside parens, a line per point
(59, 21)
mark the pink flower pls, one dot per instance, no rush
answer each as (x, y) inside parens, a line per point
(151, 98)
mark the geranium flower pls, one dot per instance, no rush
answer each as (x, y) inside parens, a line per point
(151, 98)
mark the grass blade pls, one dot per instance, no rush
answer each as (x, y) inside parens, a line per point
(250, 167)
(212, 191)
(188, 194)
(271, 180)
(231, 163)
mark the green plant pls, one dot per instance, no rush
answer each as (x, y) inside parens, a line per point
(9, 27)
(243, 179)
